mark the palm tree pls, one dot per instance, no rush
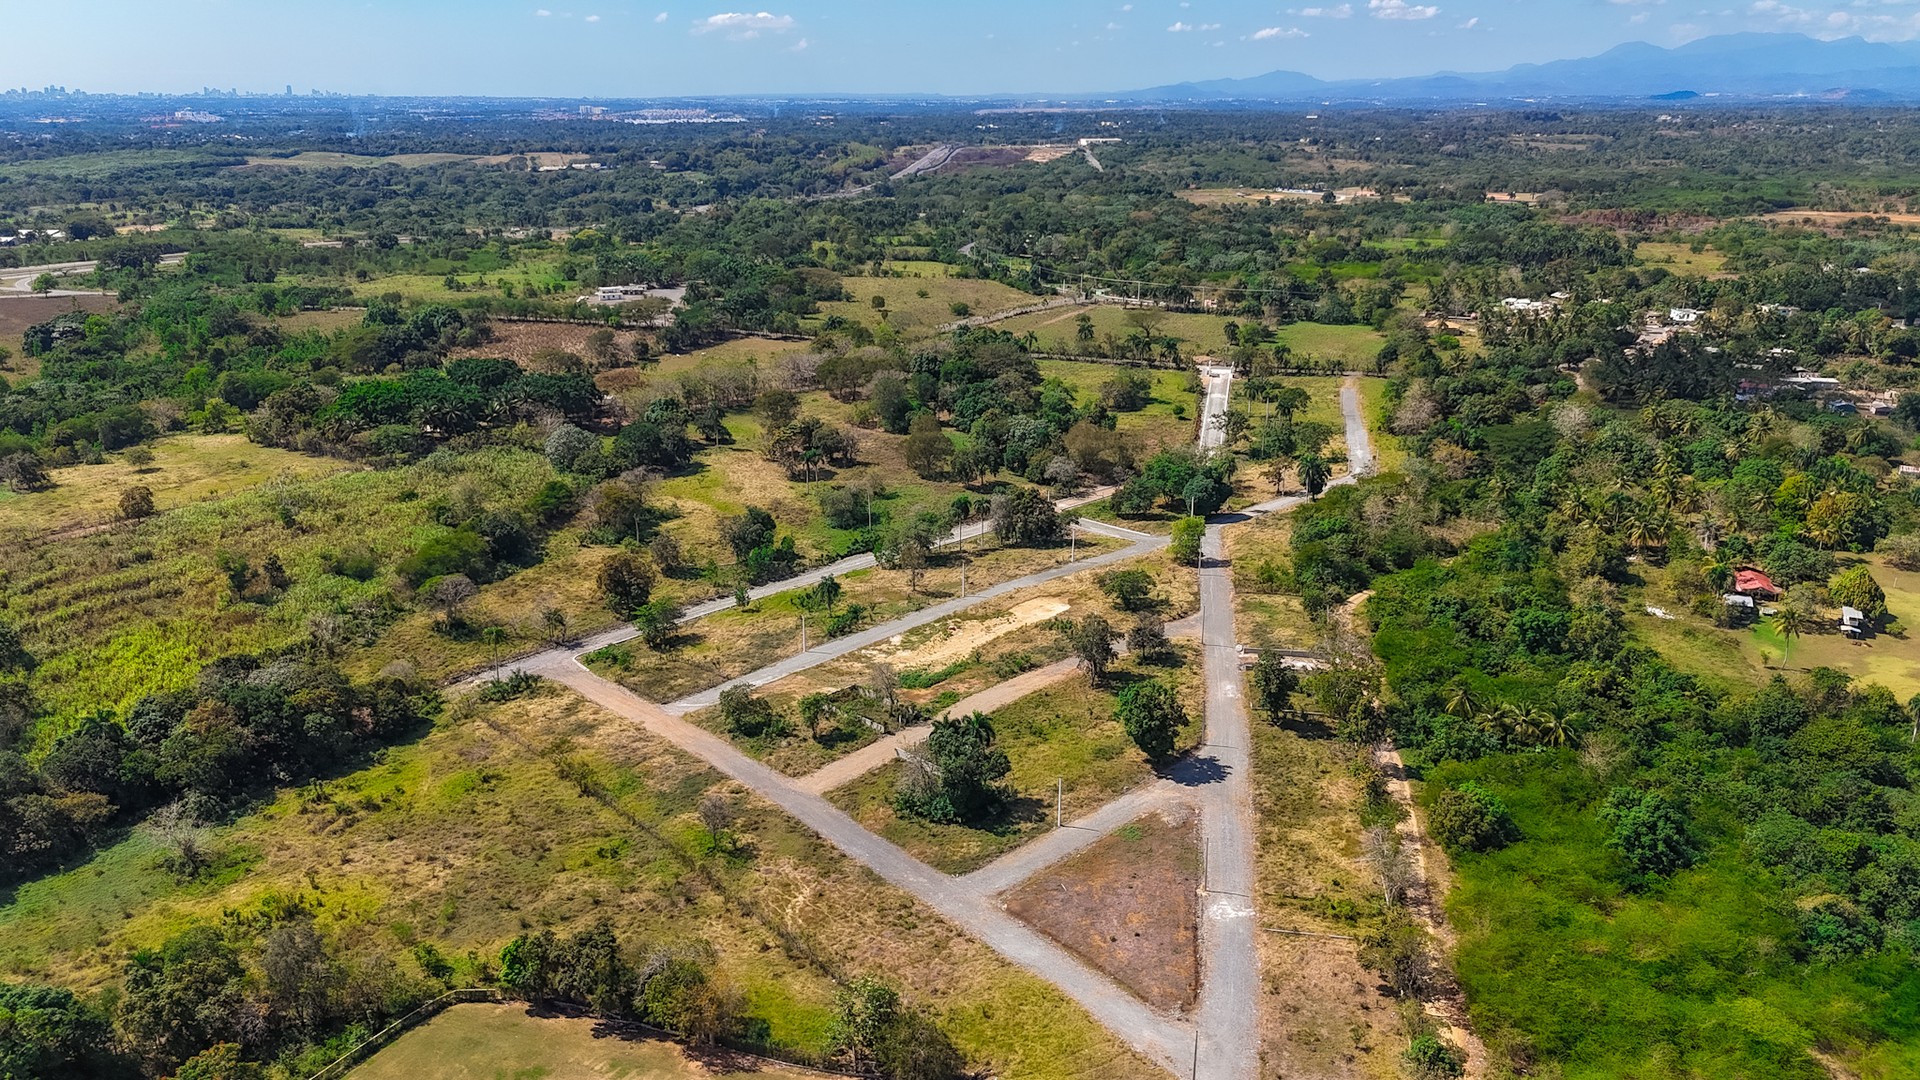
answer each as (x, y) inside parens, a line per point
(1790, 622)
(1314, 473)
(1720, 571)
(1550, 728)
(1462, 702)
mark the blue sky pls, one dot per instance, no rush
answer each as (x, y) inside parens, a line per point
(595, 48)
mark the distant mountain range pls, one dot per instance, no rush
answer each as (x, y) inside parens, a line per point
(1743, 66)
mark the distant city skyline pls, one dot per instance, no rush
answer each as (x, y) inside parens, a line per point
(619, 48)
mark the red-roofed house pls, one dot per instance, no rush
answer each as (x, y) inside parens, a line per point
(1750, 582)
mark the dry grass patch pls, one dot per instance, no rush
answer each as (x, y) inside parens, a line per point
(1129, 906)
(1066, 734)
(469, 836)
(734, 642)
(186, 469)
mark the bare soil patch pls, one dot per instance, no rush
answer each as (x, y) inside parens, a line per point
(1830, 218)
(1324, 1016)
(958, 640)
(19, 312)
(521, 342)
(1129, 905)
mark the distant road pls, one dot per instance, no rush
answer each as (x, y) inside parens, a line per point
(18, 281)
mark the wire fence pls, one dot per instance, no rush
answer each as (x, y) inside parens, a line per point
(340, 1065)
(766, 1052)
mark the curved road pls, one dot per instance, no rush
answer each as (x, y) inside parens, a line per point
(1223, 1041)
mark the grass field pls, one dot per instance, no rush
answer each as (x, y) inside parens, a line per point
(185, 469)
(1742, 659)
(119, 613)
(1200, 335)
(469, 836)
(1065, 733)
(912, 315)
(323, 159)
(1681, 259)
(1170, 419)
(737, 641)
(511, 1042)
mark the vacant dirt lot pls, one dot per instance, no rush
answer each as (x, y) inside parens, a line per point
(19, 312)
(1128, 905)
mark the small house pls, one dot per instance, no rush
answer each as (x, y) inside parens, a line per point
(1853, 622)
(1750, 582)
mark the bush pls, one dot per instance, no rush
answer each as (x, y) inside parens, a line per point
(1130, 590)
(1187, 534)
(748, 716)
(1470, 818)
(456, 551)
(1650, 831)
(1152, 716)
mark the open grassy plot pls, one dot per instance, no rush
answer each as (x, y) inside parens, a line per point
(1389, 453)
(1743, 658)
(946, 661)
(485, 1042)
(735, 642)
(913, 315)
(1681, 259)
(185, 469)
(1321, 1012)
(1065, 733)
(1128, 905)
(116, 614)
(1199, 335)
(1262, 611)
(1169, 419)
(469, 836)
(324, 159)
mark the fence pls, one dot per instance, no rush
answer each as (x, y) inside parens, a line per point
(781, 1055)
(392, 1031)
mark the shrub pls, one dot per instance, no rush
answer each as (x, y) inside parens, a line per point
(1152, 716)
(1650, 831)
(1187, 534)
(1470, 818)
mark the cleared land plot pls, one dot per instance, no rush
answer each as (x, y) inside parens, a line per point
(1128, 905)
(1064, 733)
(488, 1042)
(1167, 420)
(1745, 658)
(470, 836)
(19, 312)
(1834, 218)
(1682, 259)
(737, 641)
(115, 614)
(913, 315)
(326, 159)
(1321, 1013)
(185, 469)
(1200, 335)
(1264, 613)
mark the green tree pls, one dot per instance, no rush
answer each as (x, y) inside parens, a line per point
(1091, 639)
(1130, 590)
(1471, 818)
(1790, 622)
(658, 622)
(956, 775)
(626, 582)
(1187, 534)
(1650, 831)
(1856, 589)
(1152, 716)
(928, 451)
(747, 715)
(221, 1062)
(1273, 684)
(1314, 473)
(1025, 516)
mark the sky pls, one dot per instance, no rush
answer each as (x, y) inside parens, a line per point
(624, 48)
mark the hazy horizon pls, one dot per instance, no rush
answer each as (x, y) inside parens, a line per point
(615, 48)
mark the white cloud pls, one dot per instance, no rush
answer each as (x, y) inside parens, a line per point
(1638, 18)
(593, 18)
(1400, 9)
(1179, 28)
(660, 18)
(800, 46)
(1469, 24)
(543, 13)
(1271, 32)
(741, 26)
(1344, 11)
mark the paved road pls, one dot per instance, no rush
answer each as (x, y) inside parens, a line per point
(18, 280)
(1165, 1041)
(1218, 383)
(1359, 442)
(875, 754)
(841, 646)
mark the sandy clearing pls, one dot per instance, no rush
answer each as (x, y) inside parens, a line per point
(963, 638)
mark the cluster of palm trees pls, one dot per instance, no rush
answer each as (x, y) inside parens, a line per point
(1514, 724)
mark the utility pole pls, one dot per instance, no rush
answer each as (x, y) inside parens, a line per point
(1059, 798)
(803, 632)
